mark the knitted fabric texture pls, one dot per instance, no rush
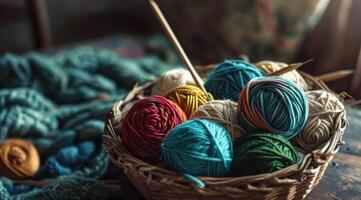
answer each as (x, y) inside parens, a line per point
(58, 103)
(73, 187)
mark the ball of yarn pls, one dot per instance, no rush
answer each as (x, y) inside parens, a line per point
(146, 124)
(18, 159)
(262, 153)
(273, 104)
(270, 66)
(199, 147)
(325, 112)
(223, 112)
(189, 98)
(172, 79)
(228, 79)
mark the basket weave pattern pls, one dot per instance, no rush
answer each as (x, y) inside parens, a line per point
(158, 182)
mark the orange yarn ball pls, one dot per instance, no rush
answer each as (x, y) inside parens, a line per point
(19, 159)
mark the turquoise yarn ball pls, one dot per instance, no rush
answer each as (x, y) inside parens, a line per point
(273, 104)
(262, 153)
(199, 147)
(228, 79)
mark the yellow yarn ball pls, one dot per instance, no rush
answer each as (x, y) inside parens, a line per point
(294, 76)
(189, 98)
(326, 114)
(223, 112)
(172, 79)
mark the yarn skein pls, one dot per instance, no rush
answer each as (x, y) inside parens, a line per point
(273, 104)
(223, 112)
(67, 160)
(325, 112)
(262, 153)
(172, 79)
(18, 159)
(199, 147)
(145, 125)
(228, 79)
(188, 98)
(269, 67)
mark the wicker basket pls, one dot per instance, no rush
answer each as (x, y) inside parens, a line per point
(157, 182)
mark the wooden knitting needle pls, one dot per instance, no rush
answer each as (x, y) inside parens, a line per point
(171, 36)
(289, 68)
(334, 75)
(323, 77)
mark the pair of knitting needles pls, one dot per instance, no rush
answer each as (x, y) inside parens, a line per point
(178, 47)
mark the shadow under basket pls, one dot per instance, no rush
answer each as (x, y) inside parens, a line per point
(157, 182)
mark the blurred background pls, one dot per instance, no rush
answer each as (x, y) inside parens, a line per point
(210, 30)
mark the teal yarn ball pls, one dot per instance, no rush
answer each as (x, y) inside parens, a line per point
(228, 79)
(262, 153)
(199, 147)
(273, 104)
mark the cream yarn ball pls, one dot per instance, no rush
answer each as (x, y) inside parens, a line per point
(172, 79)
(326, 113)
(223, 112)
(294, 76)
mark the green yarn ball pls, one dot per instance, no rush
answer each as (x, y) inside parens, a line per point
(199, 147)
(262, 153)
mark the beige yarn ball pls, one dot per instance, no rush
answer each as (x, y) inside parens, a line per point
(223, 112)
(294, 76)
(326, 113)
(172, 79)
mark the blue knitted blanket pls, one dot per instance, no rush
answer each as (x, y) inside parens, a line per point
(58, 103)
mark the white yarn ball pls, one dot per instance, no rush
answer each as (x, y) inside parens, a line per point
(172, 79)
(294, 76)
(326, 115)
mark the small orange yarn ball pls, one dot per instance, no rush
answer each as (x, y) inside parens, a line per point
(19, 159)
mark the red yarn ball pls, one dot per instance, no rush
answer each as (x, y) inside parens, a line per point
(146, 124)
